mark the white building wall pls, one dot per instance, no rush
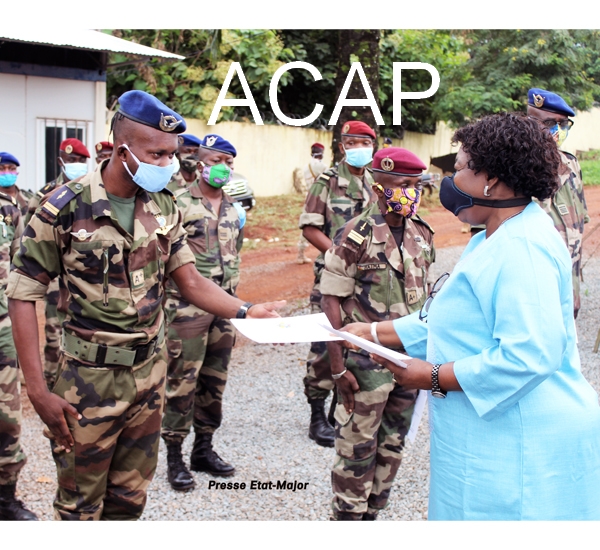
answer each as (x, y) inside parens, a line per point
(25, 99)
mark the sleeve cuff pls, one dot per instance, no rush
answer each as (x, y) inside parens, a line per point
(183, 256)
(311, 218)
(413, 335)
(21, 287)
(333, 284)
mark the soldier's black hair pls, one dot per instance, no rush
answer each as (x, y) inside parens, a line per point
(515, 149)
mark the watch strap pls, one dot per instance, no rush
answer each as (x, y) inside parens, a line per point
(243, 311)
(436, 390)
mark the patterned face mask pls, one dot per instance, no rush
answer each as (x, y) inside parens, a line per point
(403, 201)
(559, 135)
(217, 175)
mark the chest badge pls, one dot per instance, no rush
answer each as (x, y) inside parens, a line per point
(137, 279)
(161, 221)
(8, 219)
(82, 234)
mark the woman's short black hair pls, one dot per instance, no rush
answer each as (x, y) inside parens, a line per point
(516, 149)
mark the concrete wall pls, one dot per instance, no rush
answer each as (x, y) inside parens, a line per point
(268, 155)
(585, 134)
(27, 99)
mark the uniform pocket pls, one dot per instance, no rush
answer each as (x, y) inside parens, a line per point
(175, 361)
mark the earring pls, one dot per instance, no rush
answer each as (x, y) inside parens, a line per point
(485, 192)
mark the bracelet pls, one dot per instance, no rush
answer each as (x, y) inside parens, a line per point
(374, 334)
(338, 376)
(436, 390)
(242, 312)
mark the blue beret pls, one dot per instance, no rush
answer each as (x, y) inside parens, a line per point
(146, 109)
(189, 140)
(7, 158)
(217, 143)
(548, 101)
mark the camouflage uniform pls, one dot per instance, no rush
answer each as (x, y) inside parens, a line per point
(199, 344)
(177, 182)
(375, 282)
(12, 458)
(335, 198)
(23, 197)
(110, 305)
(568, 211)
(52, 329)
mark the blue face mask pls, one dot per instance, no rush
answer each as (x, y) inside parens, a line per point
(359, 157)
(8, 180)
(75, 170)
(150, 177)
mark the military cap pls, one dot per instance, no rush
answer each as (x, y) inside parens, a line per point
(548, 101)
(146, 109)
(398, 161)
(73, 145)
(106, 145)
(317, 146)
(217, 143)
(7, 158)
(356, 128)
(189, 140)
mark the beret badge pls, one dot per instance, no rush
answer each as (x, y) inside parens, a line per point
(538, 100)
(69, 149)
(210, 140)
(99, 147)
(346, 128)
(168, 123)
(387, 164)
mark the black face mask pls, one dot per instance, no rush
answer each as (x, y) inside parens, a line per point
(189, 163)
(453, 199)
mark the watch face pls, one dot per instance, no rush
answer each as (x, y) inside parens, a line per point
(438, 394)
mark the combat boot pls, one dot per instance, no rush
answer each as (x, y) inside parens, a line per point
(320, 429)
(369, 516)
(11, 508)
(178, 475)
(204, 458)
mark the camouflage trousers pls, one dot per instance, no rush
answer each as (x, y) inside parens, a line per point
(199, 347)
(317, 382)
(12, 458)
(53, 331)
(107, 473)
(369, 442)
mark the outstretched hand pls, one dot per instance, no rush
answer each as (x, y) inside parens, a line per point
(265, 310)
(416, 375)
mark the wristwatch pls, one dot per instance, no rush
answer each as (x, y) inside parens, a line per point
(436, 391)
(338, 376)
(241, 314)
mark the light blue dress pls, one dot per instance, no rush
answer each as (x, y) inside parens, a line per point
(522, 442)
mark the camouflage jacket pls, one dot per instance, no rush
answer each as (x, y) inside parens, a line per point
(177, 182)
(11, 230)
(37, 198)
(23, 197)
(568, 211)
(374, 279)
(334, 199)
(111, 283)
(215, 240)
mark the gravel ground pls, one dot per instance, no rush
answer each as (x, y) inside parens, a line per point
(264, 434)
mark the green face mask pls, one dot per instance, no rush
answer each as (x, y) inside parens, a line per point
(217, 175)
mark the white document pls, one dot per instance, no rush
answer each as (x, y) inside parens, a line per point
(287, 330)
(371, 347)
(417, 415)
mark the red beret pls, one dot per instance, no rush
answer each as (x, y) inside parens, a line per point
(397, 161)
(73, 145)
(104, 145)
(357, 128)
(317, 146)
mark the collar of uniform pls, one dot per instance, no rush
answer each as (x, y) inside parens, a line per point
(7, 197)
(354, 184)
(381, 230)
(196, 192)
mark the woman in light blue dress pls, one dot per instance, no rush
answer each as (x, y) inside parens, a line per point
(515, 428)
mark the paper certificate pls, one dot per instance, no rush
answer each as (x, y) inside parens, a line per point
(287, 330)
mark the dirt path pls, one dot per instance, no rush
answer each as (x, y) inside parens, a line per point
(274, 274)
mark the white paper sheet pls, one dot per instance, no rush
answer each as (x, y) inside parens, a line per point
(286, 330)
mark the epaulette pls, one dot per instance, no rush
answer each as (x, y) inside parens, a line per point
(46, 189)
(359, 233)
(12, 200)
(568, 155)
(417, 218)
(59, 199)
(176, 194)
(327, 174)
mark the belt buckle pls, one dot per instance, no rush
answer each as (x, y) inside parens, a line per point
(148, 348)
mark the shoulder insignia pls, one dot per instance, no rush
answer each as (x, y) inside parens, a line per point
(422, 221)
(12, 200)
(360, 231)
(568, 155)
(63, 196)
(329, 173)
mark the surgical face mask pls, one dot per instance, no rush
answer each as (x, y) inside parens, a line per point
(217, 175)
(74, 170)
(455, 200)
(8, 179)
(189, 163)
(559, 134)
(403, 201)
(150, 177)
(359, 156)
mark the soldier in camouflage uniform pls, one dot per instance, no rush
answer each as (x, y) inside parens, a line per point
(377, 270)
(12, 457)
(187, 155)
(72, 161)
(199, 344)
(567, 207)
(113, 237)
(338, 195)
(104, 151)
